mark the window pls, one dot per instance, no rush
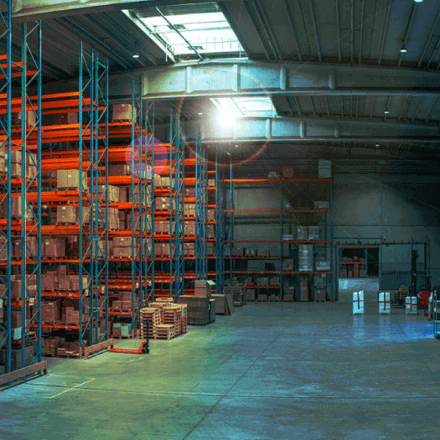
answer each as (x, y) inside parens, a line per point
(207, 31)
(246, 107)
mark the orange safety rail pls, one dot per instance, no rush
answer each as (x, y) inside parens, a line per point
(124, 260)
(212, 206)
(124, 233)
(266, 211)
(193, 258)
(295, 180)
(18, 75)
(212, 223)
(124, 205)
(16, 263)
(211, 188)
(63, 261)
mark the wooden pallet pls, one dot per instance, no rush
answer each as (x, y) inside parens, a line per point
(165, 331)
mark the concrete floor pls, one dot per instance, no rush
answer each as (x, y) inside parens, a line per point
(271, 371)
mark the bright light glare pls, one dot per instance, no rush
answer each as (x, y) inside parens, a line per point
(227, 119)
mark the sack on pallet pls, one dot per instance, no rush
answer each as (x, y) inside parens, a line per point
(411, 305)
(358, 303)
(384, 303)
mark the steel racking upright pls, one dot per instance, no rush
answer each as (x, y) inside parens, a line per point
(5, 179)
(21, 185)
(200, 248)
(281, 211)
(219, 226)
(149, 167)
(176, 207)
(100, 221)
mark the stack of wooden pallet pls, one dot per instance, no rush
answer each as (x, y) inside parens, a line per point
(173, 315)
(184, 321)
(152, 315)
(165, 331)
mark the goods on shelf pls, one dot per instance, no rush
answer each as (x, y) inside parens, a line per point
(301, 233)
(320, 295)
(321, 205)
(325, 169)
(275, 281)
(288, 264)
(305, 258)
(322, 265)
(304, 288)
(262, 297)
(65, 118)
(123, 112)
(320, 281)
(262, 281)
(250, 294)
(313, 233)
(274, 297)
(288, 171)
(70, 179)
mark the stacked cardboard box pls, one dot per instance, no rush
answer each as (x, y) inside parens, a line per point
(123, 112)
(313, 232)
(198, 309)
(189, 249)
(320, 295)
(162, 204)
(190, 228)
(122, 247)
(203, 288)
(288, 265)
(305, 258)
(119, 170)
(16, 247)
(189, 210)
(65, 118)
(262, 297)
(237, 252)
(53, 248)
(289, 292)
(70, 179)
(304, 288)
(112, 193)
(190, 193)
(250, 294)
(275, 281)
(301, 233)
(211, 215)
(288, 171)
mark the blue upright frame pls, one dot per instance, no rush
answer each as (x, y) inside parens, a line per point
(101, 227)
(31, 217)
(150, 202)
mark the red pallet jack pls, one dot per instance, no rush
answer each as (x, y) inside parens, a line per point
(144, 348)
(424, 295)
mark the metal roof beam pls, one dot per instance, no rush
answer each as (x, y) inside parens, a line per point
(281, 129)
(249, 78)
(26, 10)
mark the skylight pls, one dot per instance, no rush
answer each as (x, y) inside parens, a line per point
(246, 107)
(207, 32)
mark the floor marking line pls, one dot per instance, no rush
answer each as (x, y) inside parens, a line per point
(70, 389)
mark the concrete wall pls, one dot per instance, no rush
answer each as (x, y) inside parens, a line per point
(368, 209)
(391, 209)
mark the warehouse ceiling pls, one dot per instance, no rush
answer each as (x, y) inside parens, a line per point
(354, 75)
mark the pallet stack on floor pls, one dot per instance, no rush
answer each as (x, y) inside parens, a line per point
(164, 319)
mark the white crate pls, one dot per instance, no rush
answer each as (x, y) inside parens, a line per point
(384, 303)
(411, 305)
(358, 303)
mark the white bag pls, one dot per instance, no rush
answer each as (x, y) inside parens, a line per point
(411, 305)
(358, 303)
(384, 303)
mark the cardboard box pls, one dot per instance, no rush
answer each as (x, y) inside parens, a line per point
(203, 288)
(67, 215)
(123, 112)
(158, 250)
(119, 170)
(122, 242)
(65, 118)
(123, 194)
(112, 193)
(288, 265)
(71, 179)
(30, 119)
(50, 311)
(320, 295)
(121, 252)
(288, 172)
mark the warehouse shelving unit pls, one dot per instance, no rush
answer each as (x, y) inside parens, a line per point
(20, 230)
(281, 212)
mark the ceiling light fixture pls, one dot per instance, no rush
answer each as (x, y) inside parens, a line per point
(136, 55)
(377, 145)
(403, 50)
(200, 113)
(418, 1)
(386, 112)
(236, 146)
